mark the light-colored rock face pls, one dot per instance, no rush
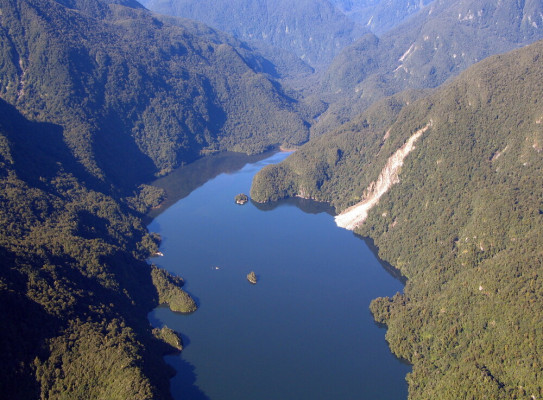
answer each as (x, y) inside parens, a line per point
(357, 214)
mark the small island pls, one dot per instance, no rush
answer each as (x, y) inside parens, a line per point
(241, 198)
(169, 336)
(251, 277)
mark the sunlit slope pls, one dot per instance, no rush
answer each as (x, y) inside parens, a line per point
(464, 223)
(440, 41)
(131, 89)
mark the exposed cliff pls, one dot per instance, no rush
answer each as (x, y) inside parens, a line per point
(355, 216)
(463, 223)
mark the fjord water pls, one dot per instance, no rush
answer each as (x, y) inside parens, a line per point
(304, 331)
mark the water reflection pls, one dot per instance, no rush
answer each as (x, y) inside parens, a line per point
(314, 207)
(306, 205)
(316, 278)
(184, 180)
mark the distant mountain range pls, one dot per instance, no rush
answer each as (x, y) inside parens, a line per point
(314, 30)
(438, 42)
(379, 15)
(97, 97)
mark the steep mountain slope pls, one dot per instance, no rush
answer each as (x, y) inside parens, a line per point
(462, 219)
(379, 15)
(132, 90)
(74, 286)
(441, 40)
(314, 30)
(96, 97)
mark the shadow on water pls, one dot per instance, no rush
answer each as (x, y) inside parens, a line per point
(315, 207)
(400, 359)
(305, 205)
(393, 271)
(185, 340)
(185, 380)
(184, 180)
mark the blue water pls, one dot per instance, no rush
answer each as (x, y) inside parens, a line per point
(304, 331)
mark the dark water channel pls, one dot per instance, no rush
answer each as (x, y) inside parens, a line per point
(304, 331)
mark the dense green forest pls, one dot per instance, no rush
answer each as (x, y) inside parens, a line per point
(74, 285)
(97, 98)
(130, 89)
(414, 44)
(464, 224)
(435, 44)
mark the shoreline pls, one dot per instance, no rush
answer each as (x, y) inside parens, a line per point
(354, 216)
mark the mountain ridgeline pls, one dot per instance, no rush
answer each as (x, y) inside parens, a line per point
(97, 98)
(435, 44)
(314, 30)
(380, 16)
(134, 91)
(463, 223)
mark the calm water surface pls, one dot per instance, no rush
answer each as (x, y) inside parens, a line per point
(304, 331)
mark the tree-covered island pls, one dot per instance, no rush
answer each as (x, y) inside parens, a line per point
(241, 198)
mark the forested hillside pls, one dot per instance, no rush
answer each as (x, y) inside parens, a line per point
(96, 98)
(463, 223)
(74, 285)
(379, 15)
(438, 42)
(99, 96)
(132, 90)
(314, 30)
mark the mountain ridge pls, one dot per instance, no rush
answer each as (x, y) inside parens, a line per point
(314, 30)
(98, 96)
(96, 99)
(463, 224)
(380, 16)
(114, 85)
(435, 44)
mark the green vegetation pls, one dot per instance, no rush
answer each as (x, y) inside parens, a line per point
(241, 198)
(94, 361)
(74, 285)
(101, 96)
(170, 292)
(146, 197)
(97, 98)
(137, 95)
(464, 224)
(433, 45)
(169, 336)
(335, 168)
